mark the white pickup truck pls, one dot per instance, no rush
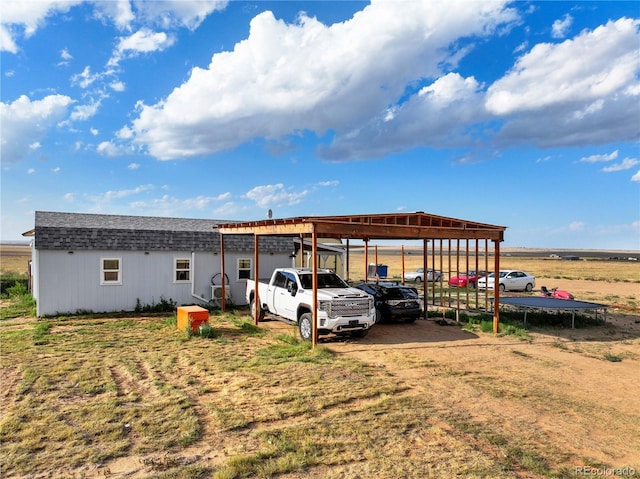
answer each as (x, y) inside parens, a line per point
(289, 296)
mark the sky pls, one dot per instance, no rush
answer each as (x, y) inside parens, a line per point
(519, 114)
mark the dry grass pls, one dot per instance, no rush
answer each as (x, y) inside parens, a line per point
(137, 397)
(14, 264)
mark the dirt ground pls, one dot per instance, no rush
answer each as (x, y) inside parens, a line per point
(587, 404)
(442, 362)
(416, 354)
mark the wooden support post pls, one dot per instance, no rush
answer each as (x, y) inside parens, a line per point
(347, 276)
(256, 273)
(458, 275)
(486, 272)
(496, 287)
(314, 252)
(223, 304)
(366, 260)
(441, 277)
(301, 251)
(402, 254)
(433, 274)
(377, 276)
(477, 277)
(425, 252)
(448, 289)
(466, 256)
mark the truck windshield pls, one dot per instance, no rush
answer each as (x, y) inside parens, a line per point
(325, 280)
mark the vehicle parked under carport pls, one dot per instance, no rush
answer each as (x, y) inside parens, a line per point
(394, 302)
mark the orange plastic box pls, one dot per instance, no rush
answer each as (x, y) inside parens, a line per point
(192, 317)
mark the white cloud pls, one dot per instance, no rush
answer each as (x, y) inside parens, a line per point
(56, 169)
(7, 43)
(118, 11)
(553, 97)
(576, 226)
(65, 56)
(108, 148)
(597, 158)
(117, 85)
(133, 166)
(23, 18)
(25, 123)
(69, 197)
(223, 196)
(119, 194)
(441, 114)
(84, 112)
(274, 195)
(329, 183)
(124, 133)
(86, 78)
(168, 205)
(172, 14)
(31, 171)
(636, 177)
(228, 210)
(94, 131)
(143, 41)
(626, 164)
(560, 27)
(286, 78)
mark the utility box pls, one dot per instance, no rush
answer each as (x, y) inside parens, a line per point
(192, 317)
(379, 270)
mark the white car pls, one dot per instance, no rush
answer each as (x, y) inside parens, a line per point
(418, 275)
(510, 280)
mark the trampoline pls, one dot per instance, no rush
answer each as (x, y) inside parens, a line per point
(541, 302)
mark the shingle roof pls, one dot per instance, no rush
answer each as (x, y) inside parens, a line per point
(121, 222)
(82, 231)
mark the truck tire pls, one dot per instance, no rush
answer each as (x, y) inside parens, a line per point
(253, 311)
(305, 325)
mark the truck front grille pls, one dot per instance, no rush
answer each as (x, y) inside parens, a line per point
(349, 307)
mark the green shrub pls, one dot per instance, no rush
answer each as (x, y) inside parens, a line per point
(13, 283)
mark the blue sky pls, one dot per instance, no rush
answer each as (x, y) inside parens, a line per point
(521, 114)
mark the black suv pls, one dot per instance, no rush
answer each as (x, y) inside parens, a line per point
(394, 302)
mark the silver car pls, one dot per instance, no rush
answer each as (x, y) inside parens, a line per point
(509, 280)
(418, 275)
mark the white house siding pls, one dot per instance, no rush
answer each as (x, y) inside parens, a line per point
(69, 283)
(268, 263)
(68, 250)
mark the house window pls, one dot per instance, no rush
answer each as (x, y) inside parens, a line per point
(244, 268)
(110, 271)
(182, 270)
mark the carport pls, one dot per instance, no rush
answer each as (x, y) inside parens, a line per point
(403, 226)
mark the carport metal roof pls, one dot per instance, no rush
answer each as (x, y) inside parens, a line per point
(399, 226)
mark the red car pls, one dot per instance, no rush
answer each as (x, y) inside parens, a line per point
(466, 280)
